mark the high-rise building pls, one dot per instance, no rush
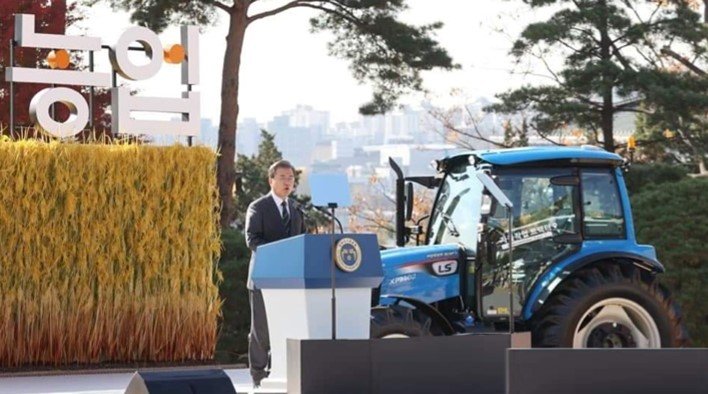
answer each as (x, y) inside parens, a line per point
(305, 116)
(298, 131)
(295, 143)
(248, 137)
(208, 134)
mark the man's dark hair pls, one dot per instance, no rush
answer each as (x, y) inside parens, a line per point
(279, 164)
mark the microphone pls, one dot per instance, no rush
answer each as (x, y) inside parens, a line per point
(300, 207)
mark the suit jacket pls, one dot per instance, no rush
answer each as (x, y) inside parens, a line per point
(264, 224)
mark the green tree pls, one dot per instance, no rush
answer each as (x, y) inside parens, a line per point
(644, 176)
(384, 51)
(612, 57)
(235, 323)
(676, 124)
(669, 135)
(671, 216)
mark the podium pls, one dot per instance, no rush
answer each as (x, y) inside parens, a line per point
(294, 275)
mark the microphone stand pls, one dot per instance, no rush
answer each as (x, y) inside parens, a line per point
(302, 208)
(332, 206)
(331, 215)
(510, 215)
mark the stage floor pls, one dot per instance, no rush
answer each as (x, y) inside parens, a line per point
(97, 383)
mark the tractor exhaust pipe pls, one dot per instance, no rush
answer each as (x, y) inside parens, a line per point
(400, 201)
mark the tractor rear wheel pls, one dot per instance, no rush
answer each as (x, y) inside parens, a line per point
(610, 305)
(395, 321)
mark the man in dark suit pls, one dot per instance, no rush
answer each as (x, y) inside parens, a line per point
(269, 218)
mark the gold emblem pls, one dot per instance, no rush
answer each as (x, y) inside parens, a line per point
(348, 255)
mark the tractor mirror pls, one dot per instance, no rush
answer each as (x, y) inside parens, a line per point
(409, 200)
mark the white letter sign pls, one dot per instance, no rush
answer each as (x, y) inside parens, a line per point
(122, 102)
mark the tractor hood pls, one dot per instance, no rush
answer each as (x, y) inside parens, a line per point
(427, 273)
(418, 254)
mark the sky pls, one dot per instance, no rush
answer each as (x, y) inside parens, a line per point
(284, 65)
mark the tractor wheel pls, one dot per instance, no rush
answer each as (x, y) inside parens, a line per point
(609, 306)
(395, 321)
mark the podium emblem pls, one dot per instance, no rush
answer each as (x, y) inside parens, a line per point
(348, 254)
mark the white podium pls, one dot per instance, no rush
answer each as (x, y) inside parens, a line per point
(295, 278)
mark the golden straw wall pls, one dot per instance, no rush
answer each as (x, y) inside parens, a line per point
(108, 253)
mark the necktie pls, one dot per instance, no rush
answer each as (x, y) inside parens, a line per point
(285, 215)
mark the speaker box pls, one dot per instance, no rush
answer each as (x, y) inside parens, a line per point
(208, 381)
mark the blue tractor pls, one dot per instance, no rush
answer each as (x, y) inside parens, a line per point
(532, 239)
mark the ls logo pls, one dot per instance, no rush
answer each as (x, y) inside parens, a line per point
(444, 268)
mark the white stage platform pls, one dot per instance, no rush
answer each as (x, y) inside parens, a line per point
(97, 383)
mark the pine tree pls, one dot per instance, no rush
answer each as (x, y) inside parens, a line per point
(612, 58)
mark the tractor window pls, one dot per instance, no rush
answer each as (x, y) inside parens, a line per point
(542, 211)
(602, 208)
(456, 212)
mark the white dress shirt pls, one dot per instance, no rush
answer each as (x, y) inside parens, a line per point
(279, 202)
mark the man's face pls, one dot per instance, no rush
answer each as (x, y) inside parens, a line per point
(283, 183)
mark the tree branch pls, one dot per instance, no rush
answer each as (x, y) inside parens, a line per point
(376, 223)
(218, 4)
(475, 127)
(274, 11)
(385, 193)
(634, 11)
(669, 52)
(349, 18)
(568, 46)
(636, 110)
(646, 25)
(645, 57)
(550, 70)
(543, 136)
(625, 63)
(587, 33)
(341, 13)
(343, 9)
(595, 105)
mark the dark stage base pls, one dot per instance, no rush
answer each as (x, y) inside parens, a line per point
(457, 364)
(624, 371)
(488, 363)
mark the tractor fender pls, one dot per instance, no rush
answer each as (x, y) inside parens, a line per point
(556, 274)
(434, 314)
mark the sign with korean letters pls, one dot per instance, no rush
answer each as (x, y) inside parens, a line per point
(123, 104)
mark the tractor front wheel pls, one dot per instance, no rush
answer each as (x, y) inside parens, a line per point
(610, 306)
(395, 321)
